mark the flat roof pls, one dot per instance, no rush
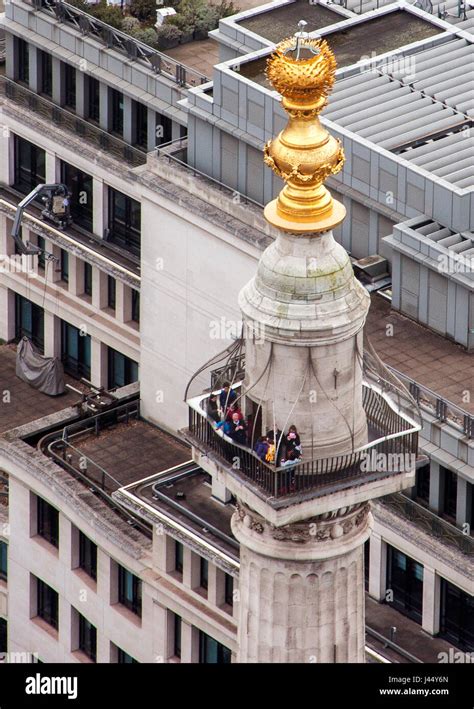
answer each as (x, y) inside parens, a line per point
(421, 354)
(26, 403)
(378, 35)
(278, 23)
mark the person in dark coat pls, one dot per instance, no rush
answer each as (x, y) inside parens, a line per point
(227, 396)
(238, 430)
(292, 442)
(261, 447)
(212, 408)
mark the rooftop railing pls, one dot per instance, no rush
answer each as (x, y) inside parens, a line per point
(69, 121)
(112, 38)
(393, 435)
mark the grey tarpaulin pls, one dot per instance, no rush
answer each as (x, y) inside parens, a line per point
(44, 373)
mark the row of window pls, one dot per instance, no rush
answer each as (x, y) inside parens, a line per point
(92, 108)
(124, 213)
(203, 574)
(75, 346)
(448, 493)
(210, 651)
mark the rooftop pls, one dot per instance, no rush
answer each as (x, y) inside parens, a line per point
(378, 35)
(25, 403)
(428, 358)
(278, 23)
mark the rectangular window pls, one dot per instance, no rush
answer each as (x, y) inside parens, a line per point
(48, 521)
(23, 61)
(87, 279)
(135, 305)
(122, 370)
(450, 492)
(177, 635)
(163, 129)
(3, 635)
(423, 484)
(29, 321)
(70, 86)
(46, 74)
(3, 561)
(80, 186)
(47, 603)
(87, 638)
(405, 580)
(75, 351)
(212, 652)
(64, 266)
(457, 616)
(41, 244)
(141, 125)
(111, 292)
(229, 590)
(117, 112)
(88, 556)
(204, 573)
(93, 103)
(130, 590)
(178, 557)
(124, 221)
(30, 164)
(123, 658)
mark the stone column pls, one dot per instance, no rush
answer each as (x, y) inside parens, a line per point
(436, 485)
(431, 600)
(104, 107)
(302, 587)
(463, 502)
(128, 120)
(378, 567)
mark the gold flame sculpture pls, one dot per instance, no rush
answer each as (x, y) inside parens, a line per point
(304, 154)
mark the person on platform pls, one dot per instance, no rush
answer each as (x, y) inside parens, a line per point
(212, 408)
(227, 396)
(238, 429)
(292, 443)
(261, 447)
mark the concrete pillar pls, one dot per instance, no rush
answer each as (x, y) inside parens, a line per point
(175, 130)
(7, 169)
(7, 314)
(123, 302)
(99, 288)
(162, 648)
(81, 98)
(76, 275)
(51, 168)
(128, 120)
(302, 602)
(431, 600)
(189, 646)
(11, 57)
(104, 107)
(52, 335)
(99, 199)
(191, 569)
(219, 490)
(98, 363)
(436, 486)
(463, 502)
(58, 81)
(34, 68)
(163, 550)
(378, 567)
(151, 129)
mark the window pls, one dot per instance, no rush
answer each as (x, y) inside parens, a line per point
(76, 351)
(111, 292)
(177, 635)
(29, 321)
(70, 86)
(41, 244)
(93, 103)
(23, 61)
(122, 370)
(117, 112)
(64, 266)
(47, 603)
(29, 165)
(163, 129)
(457, 616)
(405, 579)
(449, 499)
(80, 186)
(87, 279)
(212, 652)
(141, 125)
(3, 635)
(130, 591)
(3, 561)
(88, 556)
(123, 658)
(124, 221)
(87, 638)
(229, 590)
(135, 305)
(178, 557)
(423, 484)
(46, 74)
(204, 573)
(48, 521)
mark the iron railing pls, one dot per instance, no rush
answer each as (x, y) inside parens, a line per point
(62, 118)
(112, 38)
(429, 522)
(396, 437)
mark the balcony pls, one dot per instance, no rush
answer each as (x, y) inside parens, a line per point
(391, 448)
(99, 139)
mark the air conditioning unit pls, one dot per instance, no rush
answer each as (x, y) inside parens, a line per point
(372, 272)
(162, 14)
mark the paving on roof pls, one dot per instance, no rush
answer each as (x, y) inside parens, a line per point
(378, 35)
(25, 403)
(428, 358)
(281, 22)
